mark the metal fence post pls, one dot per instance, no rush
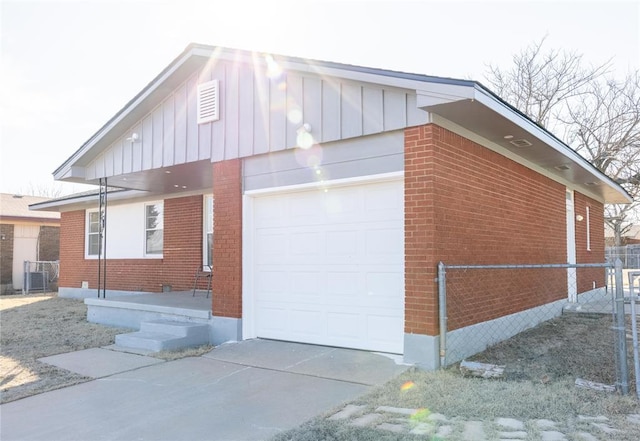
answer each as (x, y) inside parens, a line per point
(621, 339)
(25, 277)
(634, 328)
(442, 312)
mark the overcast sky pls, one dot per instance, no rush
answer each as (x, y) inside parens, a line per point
(67, 67)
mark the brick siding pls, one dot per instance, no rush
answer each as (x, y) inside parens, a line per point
(181, 255)
(596, 252)
(466, 204)
(227, 239)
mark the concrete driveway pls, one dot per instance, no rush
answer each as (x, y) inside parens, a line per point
(243, 391)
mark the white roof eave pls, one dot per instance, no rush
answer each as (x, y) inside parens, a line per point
(501, 108)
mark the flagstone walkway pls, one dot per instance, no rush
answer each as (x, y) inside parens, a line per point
(441, 427)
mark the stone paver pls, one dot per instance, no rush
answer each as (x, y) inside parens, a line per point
(346, 413)
(422, 429)
(398, 410)
(438, 417)
(599, 418)
(605, 428)
(367, 420)
(510, 423)
(513, 435)
(441, 427)
(545, 424)
(585, 436)
(634, 418)
(552, 435)
(444, 431)
(396, 428)
(473, 430)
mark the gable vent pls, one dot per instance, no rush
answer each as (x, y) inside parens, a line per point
(208, 109)
(520, 143)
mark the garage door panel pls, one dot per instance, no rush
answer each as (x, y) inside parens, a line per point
(269, 211)
(341, 243)
(385, 200)
(384, 242)
(344, 325)
(301, 244)
(378, 326)
(269, 245)
(272, 320)
(309, 322)
(306, 282)
(271, 282)
(382, 288)
(343, 283)
(337, 276)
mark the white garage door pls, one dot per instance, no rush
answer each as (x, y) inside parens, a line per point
(328, 266)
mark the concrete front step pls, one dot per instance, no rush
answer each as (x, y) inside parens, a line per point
(165, 335)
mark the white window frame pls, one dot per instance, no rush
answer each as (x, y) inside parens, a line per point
(588, 220)
(207, 228)
(88, 232)
(146, 230)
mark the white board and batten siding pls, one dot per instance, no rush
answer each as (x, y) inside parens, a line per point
(257, 115)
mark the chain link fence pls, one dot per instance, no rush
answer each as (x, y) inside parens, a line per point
(629, 255)
(40, 276)
(489, 313)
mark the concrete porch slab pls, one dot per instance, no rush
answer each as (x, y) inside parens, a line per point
(99, 362)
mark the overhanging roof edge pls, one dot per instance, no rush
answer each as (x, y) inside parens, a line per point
(497, 104)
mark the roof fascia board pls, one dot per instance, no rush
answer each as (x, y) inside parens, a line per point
(64, 172)
(489, 100)
(31, 220)
(437, 93)
(56, 205)
(380, 77)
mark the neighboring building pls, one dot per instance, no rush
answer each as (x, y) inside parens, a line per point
(629, 237)
(337, 190)
(25, 235)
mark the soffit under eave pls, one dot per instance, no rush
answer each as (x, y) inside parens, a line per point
(563, 166)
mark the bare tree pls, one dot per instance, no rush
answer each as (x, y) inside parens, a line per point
(597, 115)
(605, 126)
(52, 190)
(541, 83)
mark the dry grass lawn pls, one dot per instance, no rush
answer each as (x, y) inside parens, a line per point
(40, 325)
(542, 365)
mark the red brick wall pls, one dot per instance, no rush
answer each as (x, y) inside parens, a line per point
(482, 208)
(227, 239)
(421, 294)
(586, 277)
(181, 255)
